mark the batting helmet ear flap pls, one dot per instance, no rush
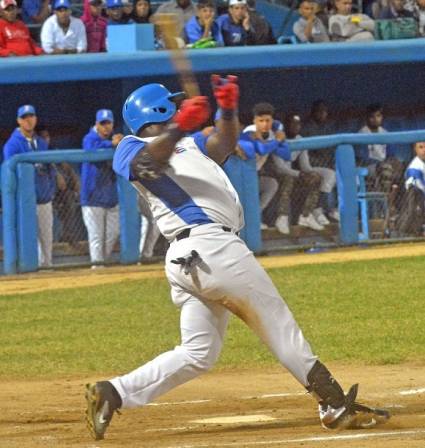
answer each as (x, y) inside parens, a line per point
(149, 104)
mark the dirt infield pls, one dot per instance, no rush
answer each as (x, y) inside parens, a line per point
(47, 280)
(257, 409)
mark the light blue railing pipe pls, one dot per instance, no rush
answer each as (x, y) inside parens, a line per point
(345, 169)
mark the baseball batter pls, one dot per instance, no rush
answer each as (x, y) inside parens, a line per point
(211, 271)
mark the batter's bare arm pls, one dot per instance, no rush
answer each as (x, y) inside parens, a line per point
(223, 142)
(152, 161)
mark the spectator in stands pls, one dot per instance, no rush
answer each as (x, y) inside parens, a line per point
(411, 219)
(61, 33)
(395, 9)
(142, 11)
(24, 139)
(35, 11)
(347, 27)
(99, 199)
(127, 8)
(309, 28)
(385, 171)
(258, 141)
(15, 38)
(297, 176)
(203, 25)
(327, 202)
(236, 26)
(263, 30)
(95, 25)
(184, 10)
(115, 13)
(66, 200)
(419, 13)
(318, 123)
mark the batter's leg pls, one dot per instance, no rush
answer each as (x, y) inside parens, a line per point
(203, 325)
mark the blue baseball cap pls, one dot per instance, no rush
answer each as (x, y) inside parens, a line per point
(104, 115)
(114, 4)
(27, 109)
(62, 4)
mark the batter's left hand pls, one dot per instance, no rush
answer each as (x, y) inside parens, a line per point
(226, 91)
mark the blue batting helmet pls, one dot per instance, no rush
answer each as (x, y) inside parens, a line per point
(149, 104)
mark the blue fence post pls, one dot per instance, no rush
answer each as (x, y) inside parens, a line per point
(347, 194)
(244, 178)
(10, 244)
(129, 222)
(26, 218)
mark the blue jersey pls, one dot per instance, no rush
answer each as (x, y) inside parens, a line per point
(98, 181)
(234, 35)
(194, 190)
(193, 31)
(45, 174)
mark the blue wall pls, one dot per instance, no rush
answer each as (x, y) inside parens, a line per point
(349, 76)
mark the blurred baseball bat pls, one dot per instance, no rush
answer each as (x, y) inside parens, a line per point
(168, 26)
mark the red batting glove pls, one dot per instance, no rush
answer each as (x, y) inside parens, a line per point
(193, 113)
(226, 91)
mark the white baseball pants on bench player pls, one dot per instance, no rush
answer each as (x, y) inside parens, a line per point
(103, 229)
(229, 279)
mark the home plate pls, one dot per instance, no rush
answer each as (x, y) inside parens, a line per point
(257, 418)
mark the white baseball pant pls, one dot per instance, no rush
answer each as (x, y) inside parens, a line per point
(102, 226)
(228, 280)
(328, 178)
(45, 234)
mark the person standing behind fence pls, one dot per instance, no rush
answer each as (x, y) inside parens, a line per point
(99, 198)
(24, 139)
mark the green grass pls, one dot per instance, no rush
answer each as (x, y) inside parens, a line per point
(372, 312)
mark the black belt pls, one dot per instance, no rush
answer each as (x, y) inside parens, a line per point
(186, 233)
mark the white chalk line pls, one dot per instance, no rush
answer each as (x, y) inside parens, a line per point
(361, 436)
(412, 391)
(276, 395)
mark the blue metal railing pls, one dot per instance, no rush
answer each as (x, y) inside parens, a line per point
(346, 184)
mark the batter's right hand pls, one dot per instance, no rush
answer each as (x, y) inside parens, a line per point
(193, 113)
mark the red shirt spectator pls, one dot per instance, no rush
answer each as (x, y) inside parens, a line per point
(95, 27)
(15, 39)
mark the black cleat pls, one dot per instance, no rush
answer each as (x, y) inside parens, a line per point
(102, 401)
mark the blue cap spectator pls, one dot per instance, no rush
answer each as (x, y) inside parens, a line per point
(114, 4)
(62, 4)
(104, 115)
(27, 109)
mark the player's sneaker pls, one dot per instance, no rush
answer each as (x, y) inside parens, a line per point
(320, 217)
(352, 415)
(102, 401)
(334, 214)
(282, 224)
(310, 222)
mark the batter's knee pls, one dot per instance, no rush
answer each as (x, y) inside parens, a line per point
(204, 357)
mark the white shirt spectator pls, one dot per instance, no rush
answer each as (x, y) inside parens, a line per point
(376, 151)
(52, 36)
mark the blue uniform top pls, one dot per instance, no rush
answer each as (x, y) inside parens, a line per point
(234, 35)
(193, 31)
(30, 8)
(45, 174)
(252, 147)
(98, 181)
